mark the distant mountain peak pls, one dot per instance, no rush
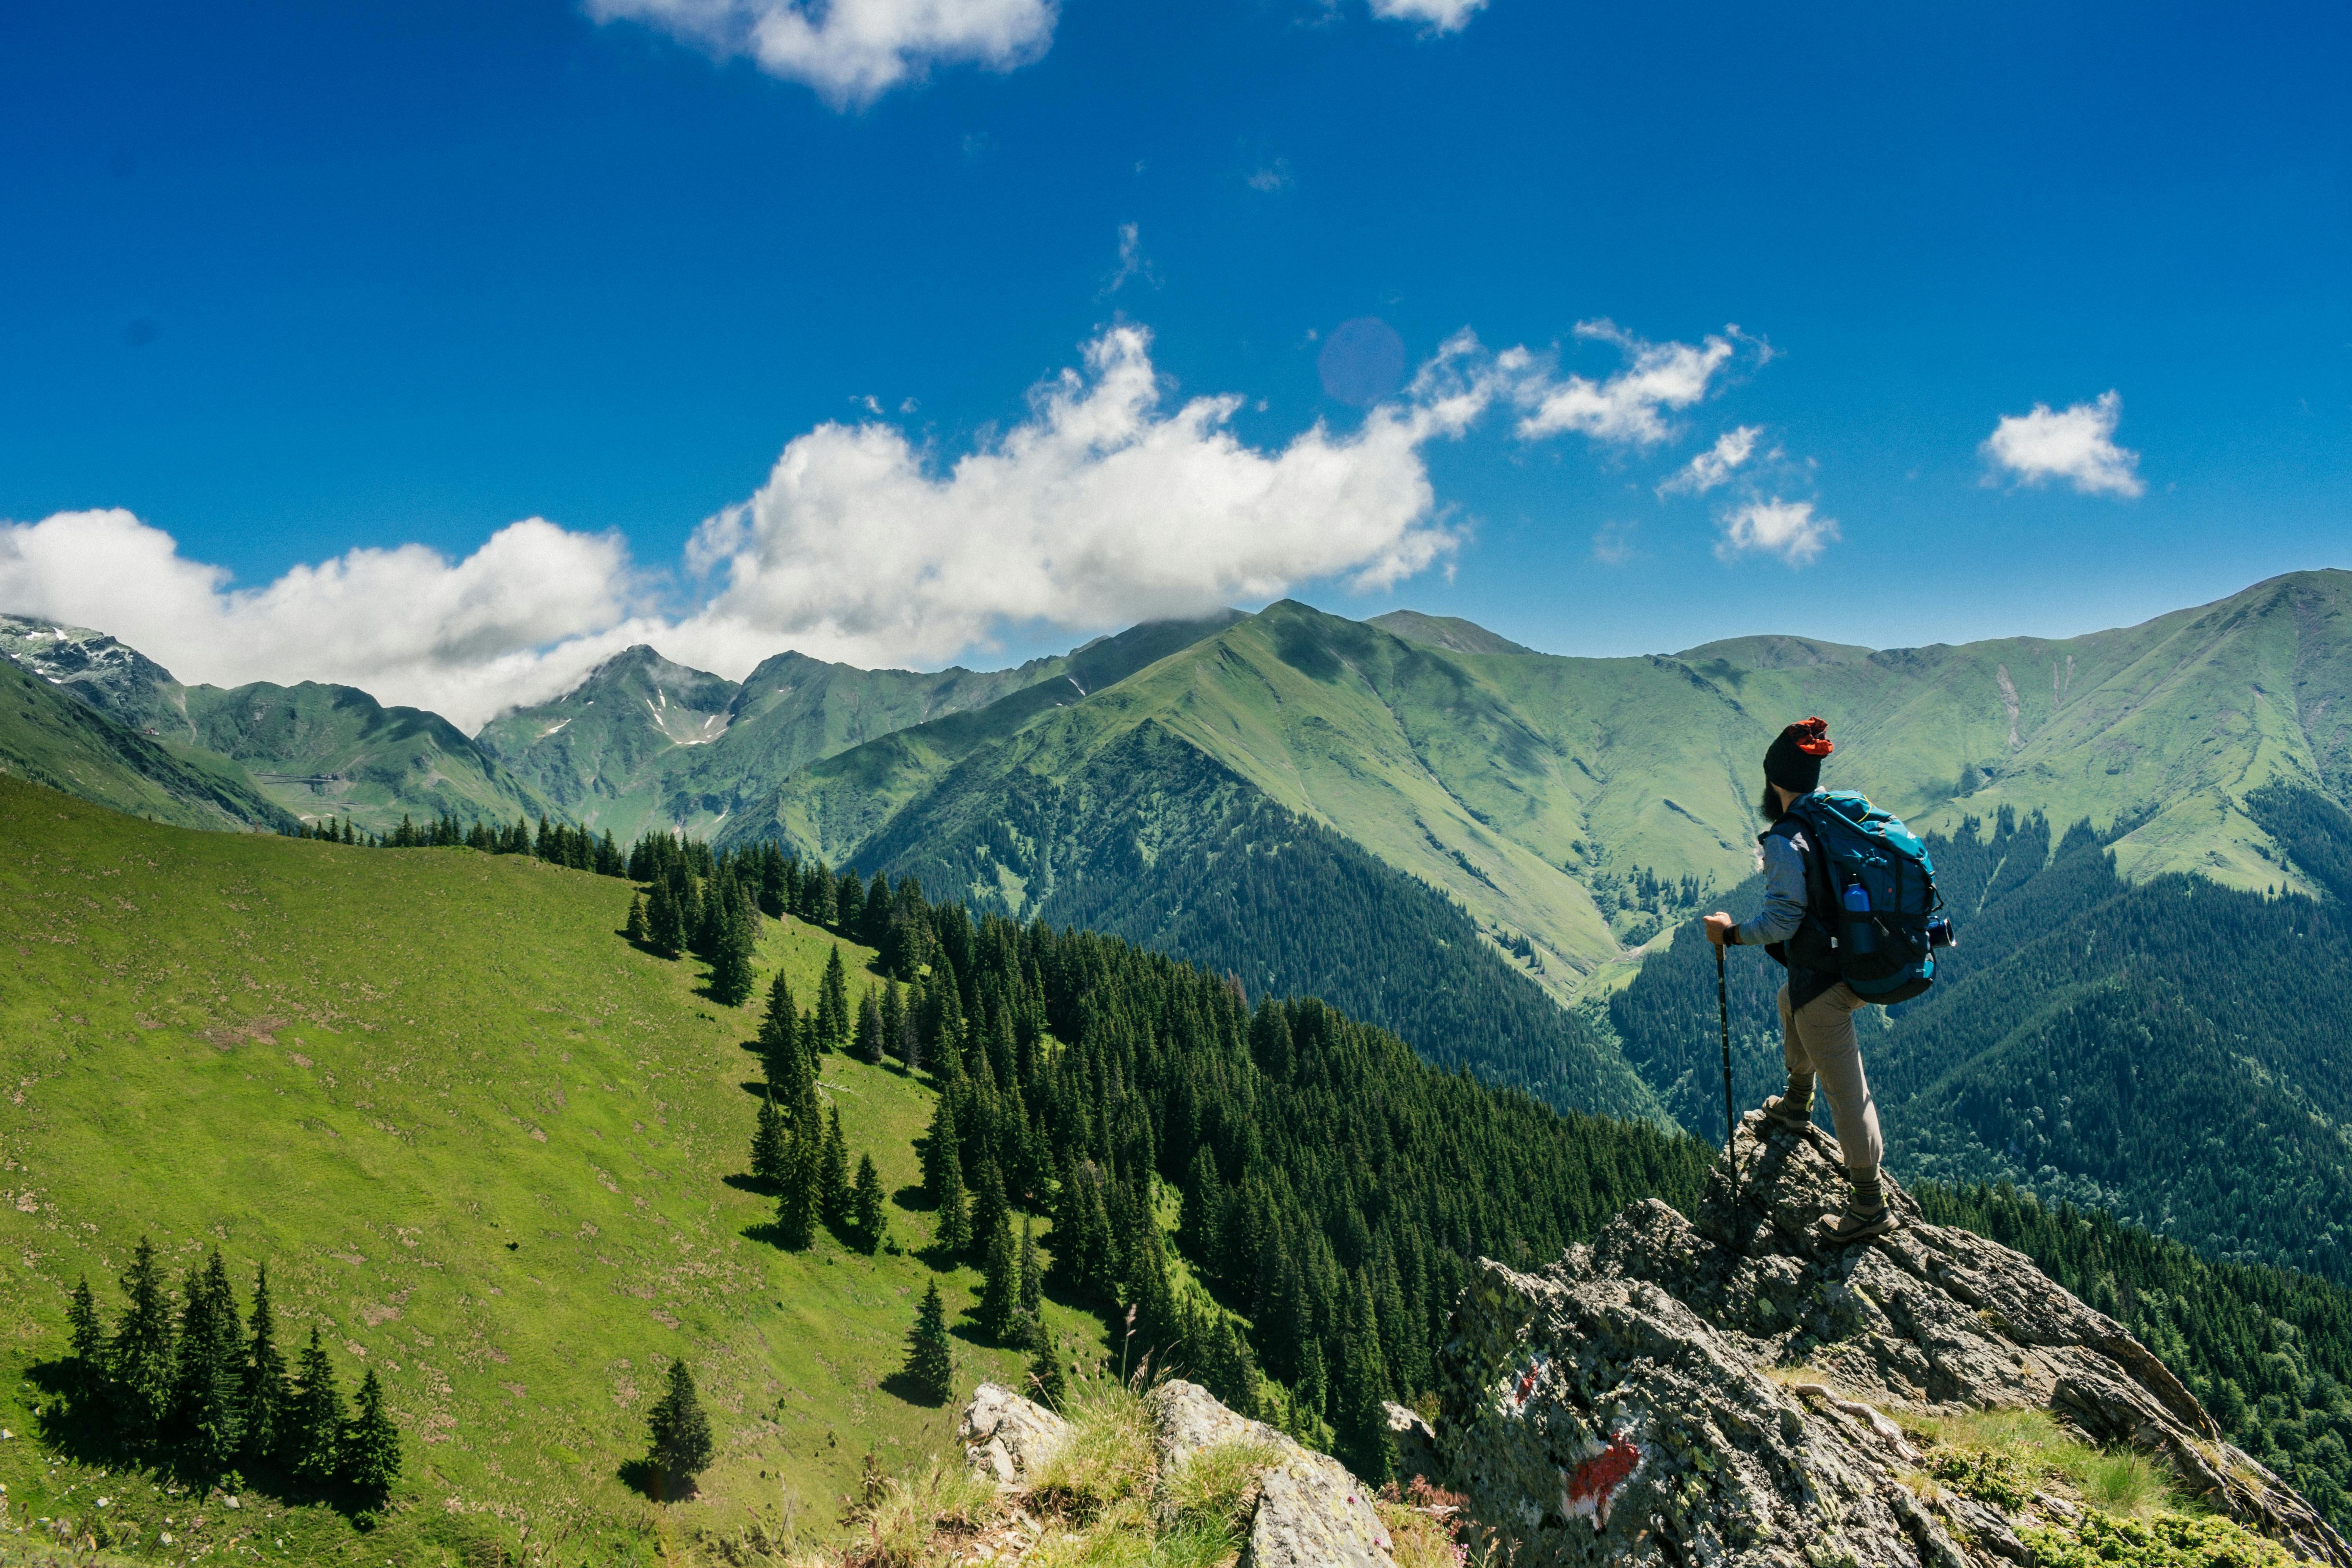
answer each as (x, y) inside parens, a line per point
(1449, 632)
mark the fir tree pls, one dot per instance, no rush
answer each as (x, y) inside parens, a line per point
(681, 1447)
(868, 1041)
(314, 1442)
(770, 1150)
(88, 1346)
(929, 1368)
(1358, 1416)
(1045, 1385)
(140, 1355)
(1032, 1281)
(730, 956)
(268, 1401)
(369, 1459)
(989, 1211)
(896, 1037)
(780, 1037)
(833, 1178)
(953, 1233)
(865, 1204)
(665, 926)
(798, 1205)
(635, 929)
(1000, 1285)
(208, 1383)
(833, 1005)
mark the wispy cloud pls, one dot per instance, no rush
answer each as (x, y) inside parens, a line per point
(1613, 544)
(1715, 466)
(1132, 262)
(1629, 407)
(1271, 178)
(1108, 501)
(851, 51)
(1435, 15)
(2076, 443)
(1787, 529)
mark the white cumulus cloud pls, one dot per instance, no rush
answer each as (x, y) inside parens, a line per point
(852, 51)
(1714, 467)
(2076, 443)
(1629, 407)
(1788, 528)
(1436, 15)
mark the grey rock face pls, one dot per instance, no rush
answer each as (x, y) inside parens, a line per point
(1615, 1407)
(1007, 1436)
(1415, 1443)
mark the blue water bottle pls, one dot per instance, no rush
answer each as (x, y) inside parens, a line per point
(1861, 935)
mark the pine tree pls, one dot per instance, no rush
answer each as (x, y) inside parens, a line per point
(833, 1178)
(1032, 1281)
(930, 1367)
(730, 956)
(780, 1038)
(894, 1035)
(1045, 1385)
(953, 1233)
(1358, 1416)
(88, 1346)
(634, 930)
(833, 1005)
(315, 1442)
(797, 1206)
(769, 1148)
(868, 1042)
(140, 1355)
(989, 1211)
(1000, 1286)
(268, 1400)
(369, 1458)
(866, 1204)
(665, 926)
(208, 1382)
(681, 1447)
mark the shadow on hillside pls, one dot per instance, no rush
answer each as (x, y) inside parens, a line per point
(743, 1182)
(647, 1479)
(756, 1087)
(915, 1198)
(902, 1386)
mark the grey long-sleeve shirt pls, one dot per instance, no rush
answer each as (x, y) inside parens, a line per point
(1784, 891)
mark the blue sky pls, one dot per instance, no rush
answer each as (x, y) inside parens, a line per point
(283, 283)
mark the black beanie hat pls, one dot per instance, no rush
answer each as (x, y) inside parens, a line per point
(1794, 761)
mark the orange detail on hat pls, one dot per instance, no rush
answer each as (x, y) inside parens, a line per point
(1811, 736)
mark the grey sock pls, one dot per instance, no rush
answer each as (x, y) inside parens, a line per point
(1869, 1196)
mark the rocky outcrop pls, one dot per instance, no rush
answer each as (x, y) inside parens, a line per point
(1716, 1393)
(1308, 1511)
(1006, 1437)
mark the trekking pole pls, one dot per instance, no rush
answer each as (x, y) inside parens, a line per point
(1723, 1013)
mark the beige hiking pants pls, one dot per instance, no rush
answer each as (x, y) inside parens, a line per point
(1817, 1041)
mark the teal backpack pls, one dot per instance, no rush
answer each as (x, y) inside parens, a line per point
(1872, 913)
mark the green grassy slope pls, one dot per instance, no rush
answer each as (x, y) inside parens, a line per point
(377, 1069)
(55, 739)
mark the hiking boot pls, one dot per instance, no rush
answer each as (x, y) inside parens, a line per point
(1856, 1224)
(1788, 1111)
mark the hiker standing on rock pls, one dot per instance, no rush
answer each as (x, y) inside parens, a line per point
(1809, 924)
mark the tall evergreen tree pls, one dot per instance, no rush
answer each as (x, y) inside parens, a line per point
(1000, 1283)
(208, 1382)
(832, 1189)
(892, 1008)
(140, 1355)
(1358, 1416)
(780, 1037)
(731, 949)
(866, 1204)
(769, 1149)
(833, 1005)
(798, 1205)
(665, 924)
(369, 1458)
(989, 1211)
(314, 1442)
(1033, 1280)
(929, 1366)
(1045, 1384)
(268, 1400)
(88, 1346)
(868, 1043)
(681, 1447)
(634, 928)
